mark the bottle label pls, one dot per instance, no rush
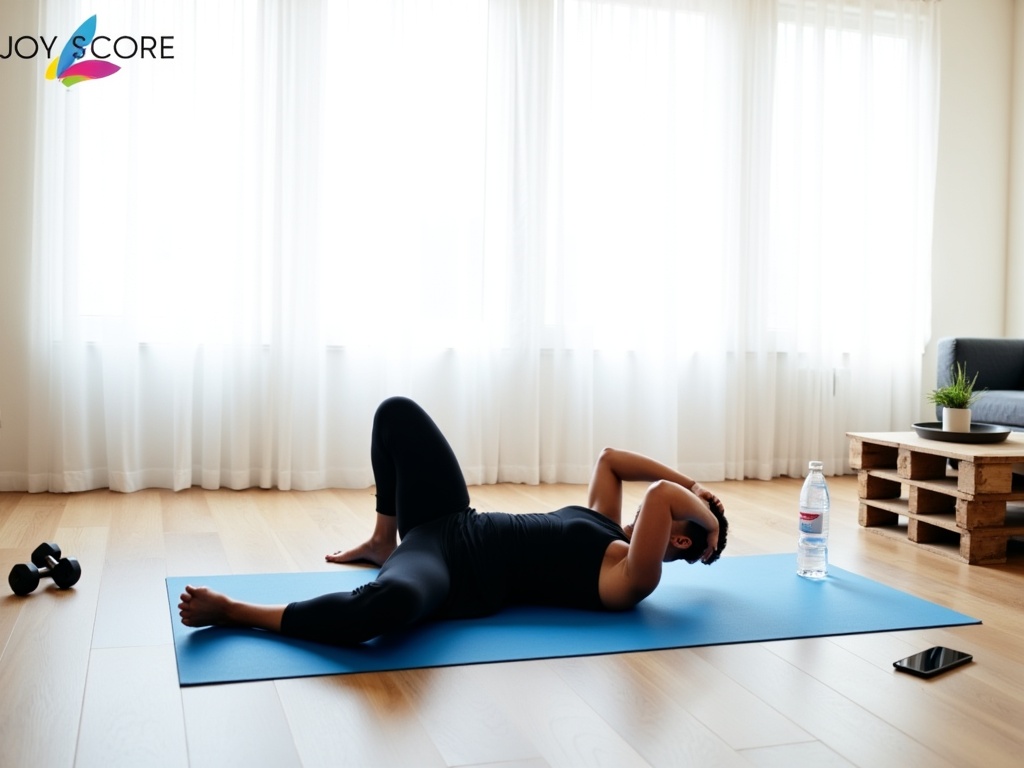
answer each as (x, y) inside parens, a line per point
(810, 522)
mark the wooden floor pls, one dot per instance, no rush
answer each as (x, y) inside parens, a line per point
(87, 676)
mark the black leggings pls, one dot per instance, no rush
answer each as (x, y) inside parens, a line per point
(419, 481)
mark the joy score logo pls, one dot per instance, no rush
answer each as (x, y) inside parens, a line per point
(74, 64)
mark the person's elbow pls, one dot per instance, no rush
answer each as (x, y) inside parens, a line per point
(662, 491)
(604, 467)
(679, 502)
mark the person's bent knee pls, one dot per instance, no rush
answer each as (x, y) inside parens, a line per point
(396, 406)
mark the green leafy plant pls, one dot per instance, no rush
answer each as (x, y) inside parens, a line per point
(959, 393)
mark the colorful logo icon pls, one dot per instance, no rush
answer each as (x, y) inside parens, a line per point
(70, 68)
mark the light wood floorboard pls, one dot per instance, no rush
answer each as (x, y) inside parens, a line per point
(88, 676)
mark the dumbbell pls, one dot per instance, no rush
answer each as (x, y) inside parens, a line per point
(46, 563)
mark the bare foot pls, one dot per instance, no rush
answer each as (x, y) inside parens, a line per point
(369, 551)
(202, 607)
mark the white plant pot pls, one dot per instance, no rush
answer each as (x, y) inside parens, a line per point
(956, 419)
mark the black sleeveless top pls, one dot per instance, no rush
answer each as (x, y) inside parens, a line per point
(497, 559)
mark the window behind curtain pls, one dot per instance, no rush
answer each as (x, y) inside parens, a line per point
(696, 228)
(176, 180)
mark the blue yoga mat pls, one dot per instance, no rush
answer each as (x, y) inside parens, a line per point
(736, 600)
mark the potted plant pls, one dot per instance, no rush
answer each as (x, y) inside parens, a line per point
(956, 399)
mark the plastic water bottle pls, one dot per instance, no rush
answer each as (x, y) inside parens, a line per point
(812, 548)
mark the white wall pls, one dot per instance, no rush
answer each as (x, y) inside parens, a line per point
(973, 176)
(972, 274)
(1015, 251)
(18, 80)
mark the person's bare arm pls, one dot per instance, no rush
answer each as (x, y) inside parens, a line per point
(634, 577)
(616, 466)
(377, 548)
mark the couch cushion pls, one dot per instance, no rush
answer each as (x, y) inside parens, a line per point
(1004, 407)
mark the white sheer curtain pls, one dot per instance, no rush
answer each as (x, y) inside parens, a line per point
(838, 266)
(691, 228)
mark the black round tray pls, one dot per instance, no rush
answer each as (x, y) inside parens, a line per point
(980, 433)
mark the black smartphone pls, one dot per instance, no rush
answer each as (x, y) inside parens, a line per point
(933, 661)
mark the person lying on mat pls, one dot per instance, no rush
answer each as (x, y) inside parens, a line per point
(453, 562)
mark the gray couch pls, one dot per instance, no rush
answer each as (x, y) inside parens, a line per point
(999, 364)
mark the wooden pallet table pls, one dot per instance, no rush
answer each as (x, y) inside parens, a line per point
(908, 490)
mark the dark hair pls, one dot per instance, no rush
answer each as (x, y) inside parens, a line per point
(699, 538)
